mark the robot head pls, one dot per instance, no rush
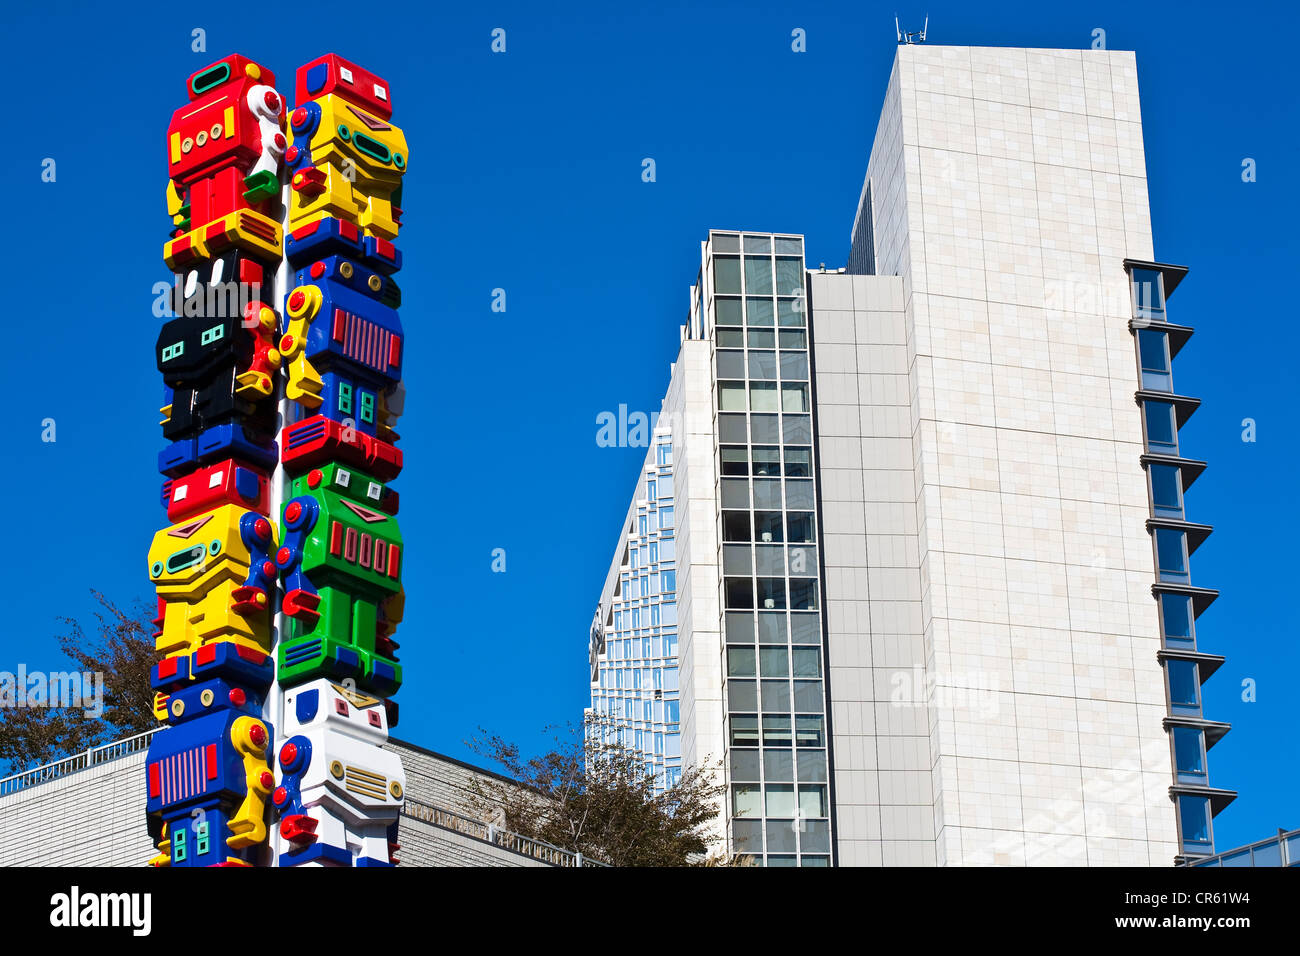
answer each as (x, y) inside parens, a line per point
(333, 74)
(234, 69)
(350, 484)
(226, 482)
(323, 703)
(348, 271)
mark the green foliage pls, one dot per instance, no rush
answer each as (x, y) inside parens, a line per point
(598, 799)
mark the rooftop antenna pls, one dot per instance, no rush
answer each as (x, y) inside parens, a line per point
(913, 36)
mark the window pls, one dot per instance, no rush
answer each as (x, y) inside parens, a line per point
(728, 311)
(780, 800)
(669, 581)
(1194, 822)
(1166, 490)
(1153, 352)
(789, 275)
(740, 593)
(726, 274)
(1171, 556)
(798, 463)
(767, 461)
(731, 339)
(1189, 755)
(735, 525)
(1176, 620)
(762, 365)
(746, 800)
(761, 339)
(794, 398)
(776, 730)
(773, 662)
(1162, 432)
(808, 731)
(790, 313)
(731, 396)
(767, 525)
(812, 801)
(666, 517)
(803, 594)
(735, 461)
(758, 275)
(801, 526)
(771, 593)
(807, 662)
(744, 730)
(1184, 687)
(793, 338)
(760, 311)
(761, 244)
(740, 662)
(762, 397)
(731, 364)
(1148, 295)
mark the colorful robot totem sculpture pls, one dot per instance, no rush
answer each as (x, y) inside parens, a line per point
(234, 371)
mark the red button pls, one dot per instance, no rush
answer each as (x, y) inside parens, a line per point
(288, 754)
(283, 556)
(314, 478)
(299, 116)
(280, 796)
(296, 300)
(237, 697)
(267, 779)
(272, 101)
(262, 527)
(257, 734)
(292, 512)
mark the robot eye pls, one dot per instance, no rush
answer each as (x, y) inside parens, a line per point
(341, 706)
(191, 283)
(345, 74)
(345, 270)
(216, 479)
(180, 492)
(374, 491)
(381, 93)
(374, 282)
(218, 267)
(175, 350)
(342, 477)
(213, 334)
(373, 717)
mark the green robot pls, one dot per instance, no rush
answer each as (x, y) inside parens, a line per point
(341, 561)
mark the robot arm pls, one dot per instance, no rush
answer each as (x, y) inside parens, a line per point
(305, 384)
(248, 824)
(301, 598)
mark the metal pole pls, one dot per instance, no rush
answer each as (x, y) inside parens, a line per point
(273, 706)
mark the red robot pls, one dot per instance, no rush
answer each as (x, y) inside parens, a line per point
(223, 151)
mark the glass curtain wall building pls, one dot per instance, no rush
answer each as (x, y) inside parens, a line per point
(633, 643)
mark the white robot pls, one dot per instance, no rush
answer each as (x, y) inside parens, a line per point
(340, 793)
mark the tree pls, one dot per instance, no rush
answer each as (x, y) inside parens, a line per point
(123, 652)
(597, 798)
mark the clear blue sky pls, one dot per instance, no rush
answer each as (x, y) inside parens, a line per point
(525, 175)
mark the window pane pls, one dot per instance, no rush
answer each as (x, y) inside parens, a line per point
(740, 593)
(726, 274)
(796, 429)
(740, 662)
(786, 246)
(735, 526)
(789, 275)
(1194, 814)
(735, 493)
(761, 244)
(1161, 433)
(794, 398)
(1151, 348)
(794, 366)
(799, 495)
(735, 460)
(812, 801)
(793, 339)
(762, 397)
(761, 339)
(762, 365)
(808, 731)
(744, 730)
(771, 593)
(767, 494)
(1184, 685)
(1176, 615)
(731, 338)
(731, 364)
(771, 628)
(1166, 494)
(780, 801)
(725, 242)
(808, 696)
(1170, 554)
(758, 275)
(742, 695)
(803, 594)
(790, 313)
(807, 662)
(746, 801)
(776, 730)
(760, 311)
(744, 764)
(768, 526)
(731, 396)
(1189, 752)
(767, 461)
(732, 428)
(801, 526)
(773, 662)
(728, 311)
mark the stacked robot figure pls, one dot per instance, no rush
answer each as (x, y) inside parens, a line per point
(212, 774)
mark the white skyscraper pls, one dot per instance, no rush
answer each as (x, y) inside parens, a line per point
(934, 602)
